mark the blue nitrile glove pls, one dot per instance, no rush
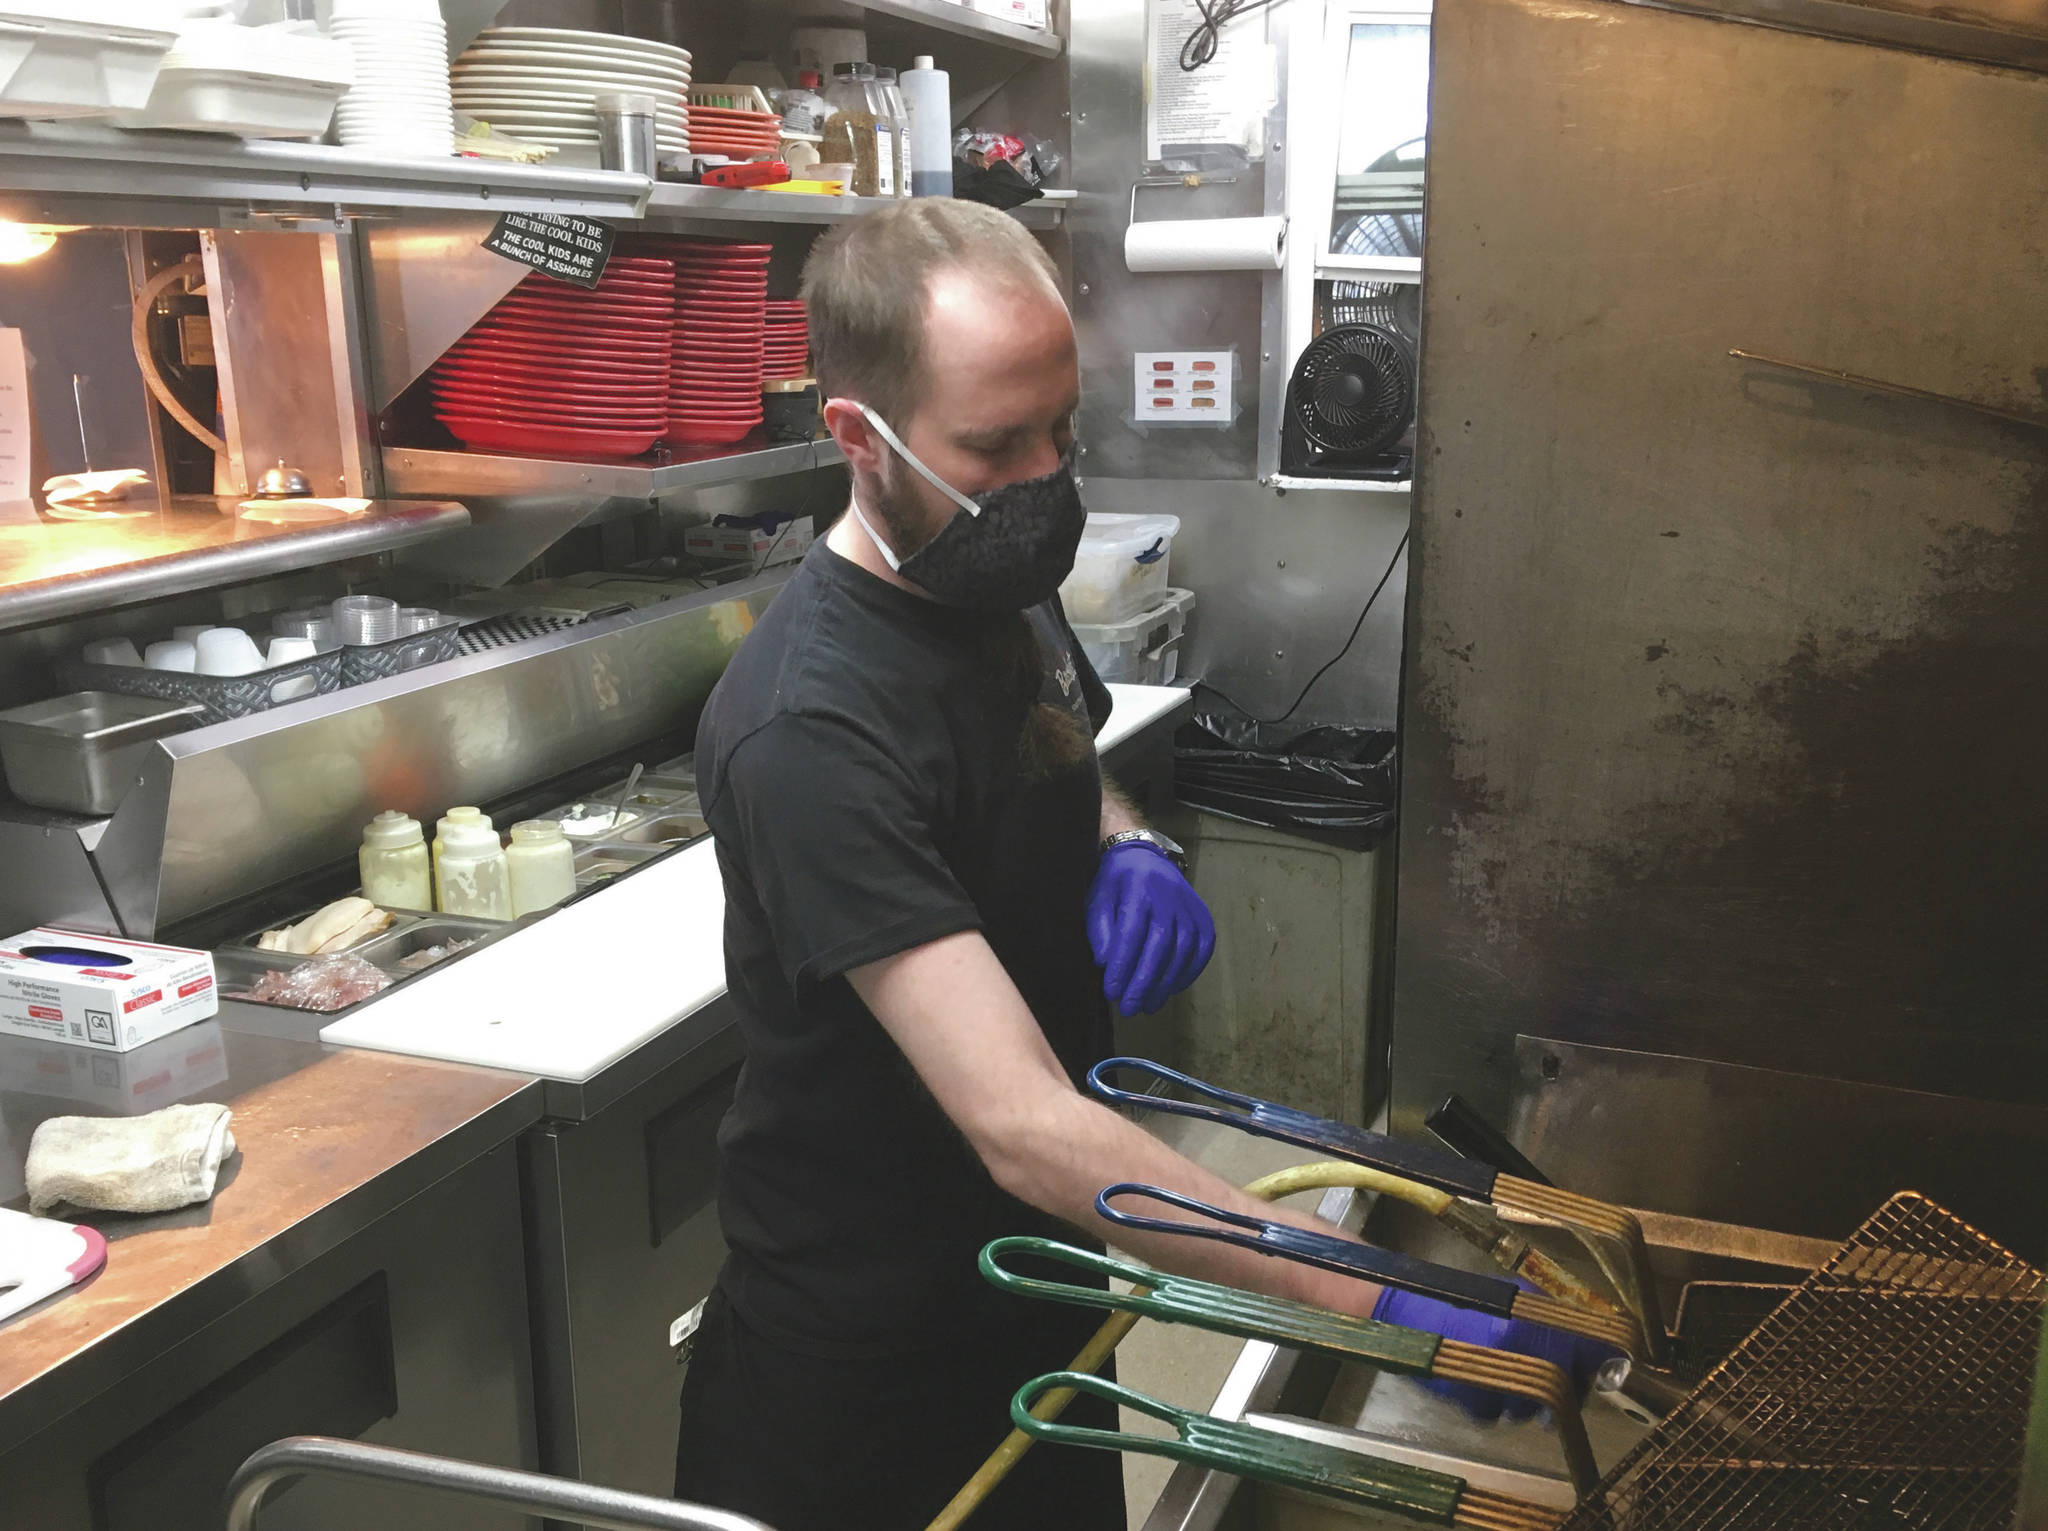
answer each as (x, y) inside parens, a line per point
(1148, 928)
(1578, 1357)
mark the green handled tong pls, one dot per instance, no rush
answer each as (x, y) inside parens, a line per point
(1248, 1451)
(1254, 1316)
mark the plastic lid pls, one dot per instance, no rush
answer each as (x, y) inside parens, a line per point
(885, 74)
(391, 830)
(923, 61)
(455, 817)
(466, 839)
(855, 71)
(538, 832)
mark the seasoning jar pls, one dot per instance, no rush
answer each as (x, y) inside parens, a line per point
(858, 130)
(542, 863)
(449, 820)
(898, 116)
(474, 878)
(394, 862)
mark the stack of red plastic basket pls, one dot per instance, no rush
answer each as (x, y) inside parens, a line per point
(714, 395)
(558, 369)
(787, 351)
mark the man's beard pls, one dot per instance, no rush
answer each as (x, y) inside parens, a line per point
(898, 510)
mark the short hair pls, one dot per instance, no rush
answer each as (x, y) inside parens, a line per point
(866, 283)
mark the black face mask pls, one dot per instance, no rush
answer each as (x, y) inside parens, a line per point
(1005, 549)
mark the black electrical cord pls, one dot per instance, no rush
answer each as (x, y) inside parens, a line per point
(1200, 47)
(1356, 628)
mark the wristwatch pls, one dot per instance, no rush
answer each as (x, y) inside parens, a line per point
(1170, 849)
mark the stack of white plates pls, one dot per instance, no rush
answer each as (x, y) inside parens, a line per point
(539, 83)
(399, 103)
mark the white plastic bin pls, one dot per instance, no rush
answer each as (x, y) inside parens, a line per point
(1120, 570)
(1145, 650)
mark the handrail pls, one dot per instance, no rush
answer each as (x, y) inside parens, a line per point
(605, 1509)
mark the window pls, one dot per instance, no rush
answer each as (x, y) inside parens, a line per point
(1383, 125)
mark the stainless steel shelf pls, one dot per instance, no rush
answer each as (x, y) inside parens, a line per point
(951, 16)
(415, 471)
(205, 174)
(53, 569)
(692, 204)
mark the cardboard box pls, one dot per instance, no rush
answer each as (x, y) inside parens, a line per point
(1026, 13)
(134, 993)
(789, 541)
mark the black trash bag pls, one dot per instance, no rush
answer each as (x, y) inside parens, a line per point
(1333, 784)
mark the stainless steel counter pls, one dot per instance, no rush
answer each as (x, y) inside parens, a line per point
(328, 1140)
(51, 569)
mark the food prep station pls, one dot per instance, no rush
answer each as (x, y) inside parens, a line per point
(473, 1208)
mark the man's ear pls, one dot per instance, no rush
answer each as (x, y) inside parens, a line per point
(862, 444)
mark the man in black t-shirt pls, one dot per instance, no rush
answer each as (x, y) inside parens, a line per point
(932, 898)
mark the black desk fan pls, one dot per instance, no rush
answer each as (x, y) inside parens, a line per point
(1351, 405)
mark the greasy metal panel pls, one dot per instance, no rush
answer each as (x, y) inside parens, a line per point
(1278, 581)
(283, 349)
(1725, 1135)
(1283, 1009)
(2009, 32)
(426, 280)
(1117, 312)
(1724, 691)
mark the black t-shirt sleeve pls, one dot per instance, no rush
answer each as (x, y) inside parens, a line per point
(838, 839)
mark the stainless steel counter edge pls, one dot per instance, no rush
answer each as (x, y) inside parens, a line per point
(84, 1376)
(95, 589)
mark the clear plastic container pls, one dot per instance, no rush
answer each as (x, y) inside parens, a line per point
(542, 863)
(899, 125)
(860, 131)
(397, 871)
(1145, 649)
(474, 877)
(1120, 569)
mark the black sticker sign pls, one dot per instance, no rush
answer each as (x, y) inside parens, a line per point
(571, 249)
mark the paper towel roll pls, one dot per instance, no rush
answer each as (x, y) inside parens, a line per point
(1206, 244)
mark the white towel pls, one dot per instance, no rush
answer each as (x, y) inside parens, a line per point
(169, 1158)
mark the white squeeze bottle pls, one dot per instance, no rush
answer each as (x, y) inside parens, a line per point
(928, 100)
(474, 877)
(449, 820)
(393, 862)
(543, 865)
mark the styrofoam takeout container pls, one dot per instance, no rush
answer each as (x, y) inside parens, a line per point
(80, 61)
(257, 82)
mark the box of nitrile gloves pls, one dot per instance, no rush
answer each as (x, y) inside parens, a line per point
(100, 991)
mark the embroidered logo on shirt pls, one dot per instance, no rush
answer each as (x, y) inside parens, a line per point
(1067, 674)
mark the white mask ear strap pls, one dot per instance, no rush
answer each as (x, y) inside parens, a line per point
(888, 554)
(908, 456)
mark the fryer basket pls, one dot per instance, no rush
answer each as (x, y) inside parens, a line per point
(1890, 1389)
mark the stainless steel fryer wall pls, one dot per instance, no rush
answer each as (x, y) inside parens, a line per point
(1723, 703)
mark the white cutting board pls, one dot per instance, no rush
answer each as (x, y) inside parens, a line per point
(40, 1256)
(575, 992)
